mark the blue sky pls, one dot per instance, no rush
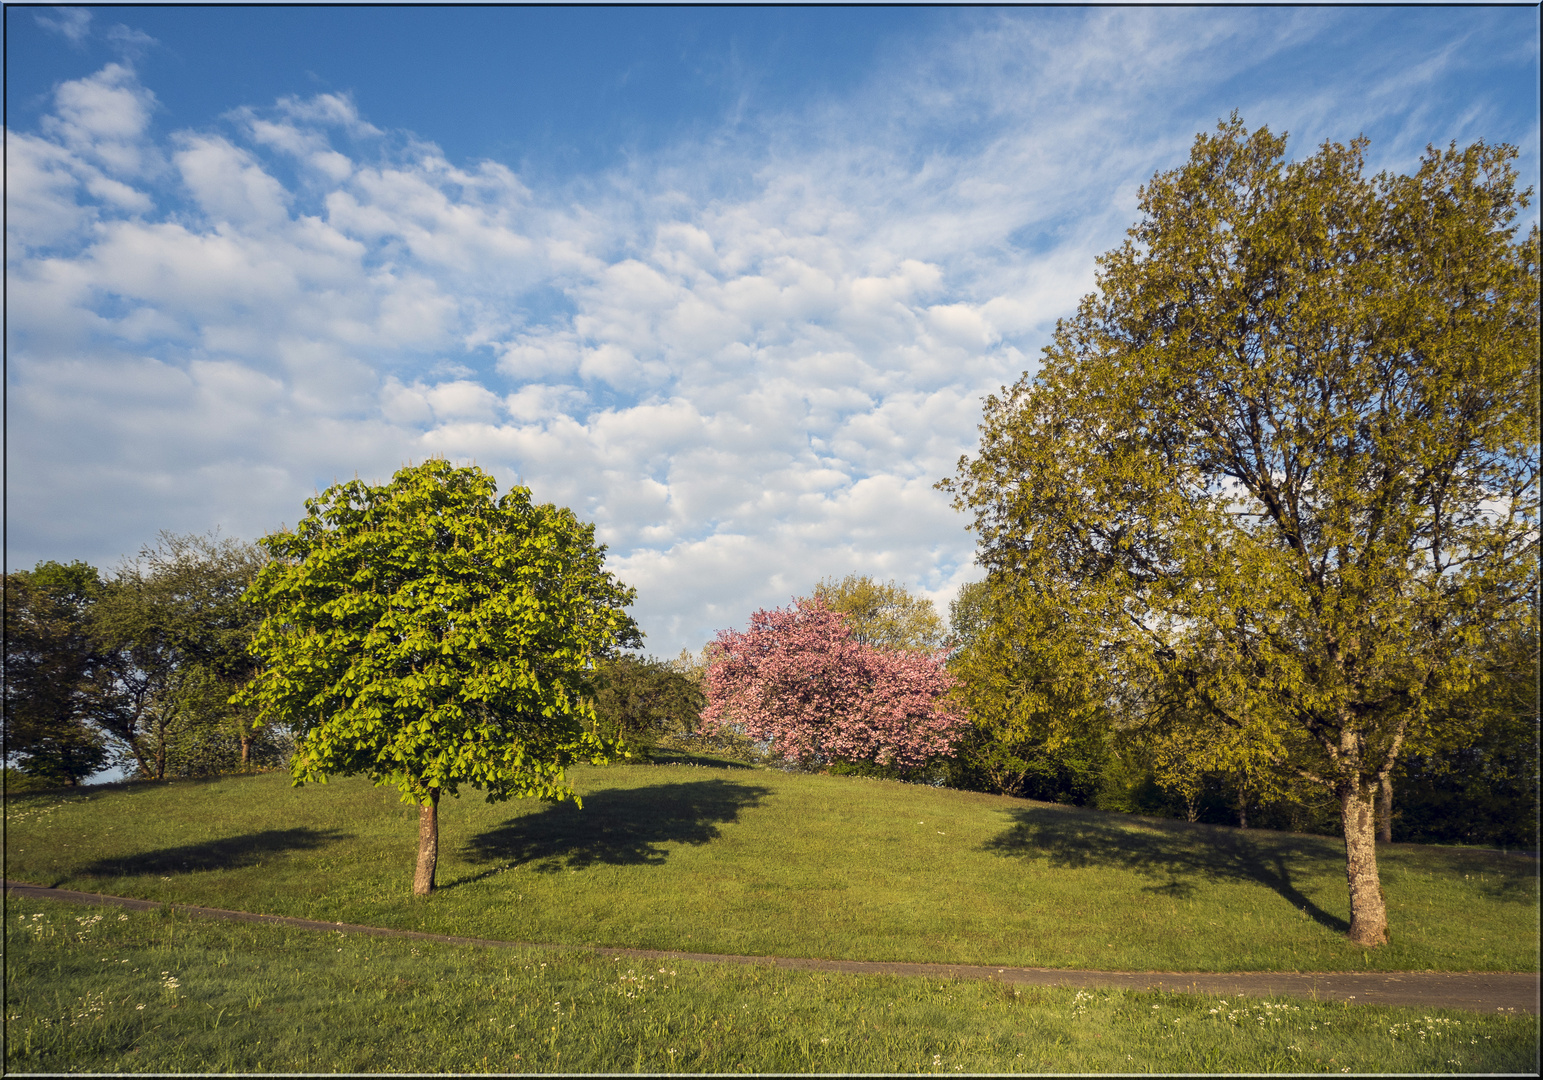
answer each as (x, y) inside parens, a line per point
(730, 282)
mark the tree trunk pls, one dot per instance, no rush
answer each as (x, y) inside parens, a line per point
(246, 748)
(1242, 811)
(1368, 912)
(1385, 810)
(428, 844)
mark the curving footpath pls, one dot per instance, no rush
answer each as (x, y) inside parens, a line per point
(1480, 991)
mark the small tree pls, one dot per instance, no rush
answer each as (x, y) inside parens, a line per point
(426, 634)
(638, 701)
(799, 679)
(1038, 726)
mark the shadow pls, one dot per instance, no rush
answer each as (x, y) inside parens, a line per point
(1173, 850)
(682, 757)
(229, 853)
(617, 827)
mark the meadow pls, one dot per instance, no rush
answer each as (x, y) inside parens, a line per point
(703, 858)
(99, 989)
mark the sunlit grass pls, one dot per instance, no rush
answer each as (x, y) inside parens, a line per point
(94, 989)
(764, 862)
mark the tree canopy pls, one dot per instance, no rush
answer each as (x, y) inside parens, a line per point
(427, 634)
(1277, 477)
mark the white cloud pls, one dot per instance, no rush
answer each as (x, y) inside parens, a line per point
(72, 23)
(103, 118)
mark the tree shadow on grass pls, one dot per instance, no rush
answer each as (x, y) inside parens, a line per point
(616, 827)
(227, 853)
(1177, 851)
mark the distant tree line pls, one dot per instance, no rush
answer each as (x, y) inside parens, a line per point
(134, 670)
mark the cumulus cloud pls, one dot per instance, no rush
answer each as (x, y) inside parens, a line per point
(747, 363)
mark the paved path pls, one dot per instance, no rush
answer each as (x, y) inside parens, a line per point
(1483, 991)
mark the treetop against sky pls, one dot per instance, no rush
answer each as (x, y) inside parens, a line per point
(730, 283)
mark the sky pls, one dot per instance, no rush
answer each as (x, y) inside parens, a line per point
(731, 283)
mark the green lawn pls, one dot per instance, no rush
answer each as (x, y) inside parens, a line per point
(96, 989)
(763, 862)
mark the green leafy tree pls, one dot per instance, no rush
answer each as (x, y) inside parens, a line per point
(1281, 467)
(639, 701)
(174, 632)
(968, 613)
(50, 664)
(1038, 726)
(427, 634)
(882, 614)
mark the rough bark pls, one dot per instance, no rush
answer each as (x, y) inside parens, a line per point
(1368, 912)
(1385, 811)
(428, 844)
(246, 749)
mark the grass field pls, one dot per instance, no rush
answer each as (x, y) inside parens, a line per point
(735, 860)
(96, 989)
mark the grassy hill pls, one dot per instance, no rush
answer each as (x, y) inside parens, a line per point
(737, 860)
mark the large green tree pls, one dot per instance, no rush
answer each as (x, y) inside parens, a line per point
(1278, 476)
(428, 634)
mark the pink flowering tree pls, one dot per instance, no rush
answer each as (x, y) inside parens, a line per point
(799, 680)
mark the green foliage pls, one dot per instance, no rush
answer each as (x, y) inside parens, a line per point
(1036, 729)
(426, 634)
(1485, 790)
(17, 782)
(968, 612)
(882, 614)
(173, 633)
(640, 701)
(180, 994)
(49, 665)
(1276, 480)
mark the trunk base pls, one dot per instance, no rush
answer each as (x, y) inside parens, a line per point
(428, 845)
(1368, 910)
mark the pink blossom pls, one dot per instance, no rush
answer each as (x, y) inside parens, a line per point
(798, 679)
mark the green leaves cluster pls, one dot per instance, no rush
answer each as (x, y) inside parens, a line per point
(882, 614)
(50, 663)
(638, 701)
(427, 634)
